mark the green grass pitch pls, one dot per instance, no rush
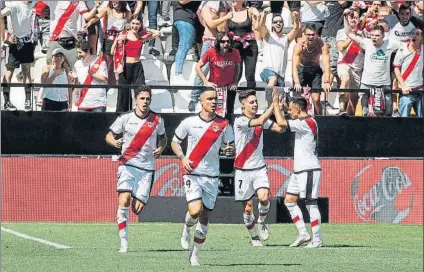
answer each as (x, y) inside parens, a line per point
(156, 247)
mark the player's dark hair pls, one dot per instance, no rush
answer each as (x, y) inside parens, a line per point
(143, 89)
(219, 37)
(85, 46)
(310, 27)
(301, 103)
(379, 28)
(245, 94)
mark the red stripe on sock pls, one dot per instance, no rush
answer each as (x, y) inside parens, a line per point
(251, 226)
(296, 219)
(122, 225)
(314, 223)
(199, 241)
(263, 214)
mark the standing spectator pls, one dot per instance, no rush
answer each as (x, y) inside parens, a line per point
(402, 30)
(408, 65)
(242, 26)
(136, 7)
(277, 6)
(307, 71)
(54, 98)
(350, 65)
(21, 47)
(164, 17)
(224, 63)
(376, 73)
(212, 16)
(133, 72)
(275, 50)
(313, 12)
(93, 30)
(418, 10)
(90, 70)
(152, 11)
(185, 21)
(333, 23)
(42, 11)
(63, 28)
(116, 15)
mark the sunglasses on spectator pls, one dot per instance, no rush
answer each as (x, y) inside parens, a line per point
(224, 41)
(277, 22)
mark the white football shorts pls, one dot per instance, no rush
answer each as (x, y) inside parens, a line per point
(246, 183)
(137, 181)
(201, 188)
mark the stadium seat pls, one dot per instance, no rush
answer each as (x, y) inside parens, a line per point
(161, 101)
(112, 95)
(155, 71)
(182, 97)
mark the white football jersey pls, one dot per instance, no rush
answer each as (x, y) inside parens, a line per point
(57, 10)
(95, 97)
(305, 145)
(249, 144)
(138, 151)
(205, 139)
(411, 65)
(401, 33)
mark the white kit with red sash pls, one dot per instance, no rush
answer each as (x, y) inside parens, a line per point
(221, 101)
(207, 140)
(63, 19)
(411, 66)
(351, 54)
(249, 149)
(89, 79)
(140, 139)
(118, 58)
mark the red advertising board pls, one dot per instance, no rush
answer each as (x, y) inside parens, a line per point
(83, 189)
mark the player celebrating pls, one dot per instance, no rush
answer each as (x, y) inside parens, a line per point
(305, 180)
(206, 133)
(143, 140)
(250, 169)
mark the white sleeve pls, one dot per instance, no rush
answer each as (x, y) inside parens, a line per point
(228, 135)
(242, 123)
(181, 132)
(365, 43)
(103, 69)
(161, 127)
(297, 126)
(118, 126)
(268, 124)
(394, 45)
(398, 58)
(341, 35)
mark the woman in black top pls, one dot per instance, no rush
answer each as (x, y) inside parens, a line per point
(242, 27)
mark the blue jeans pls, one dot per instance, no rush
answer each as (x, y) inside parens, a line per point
(198, 81)
(406, 102)
(152, 9)
(101, 109)
(186, 34)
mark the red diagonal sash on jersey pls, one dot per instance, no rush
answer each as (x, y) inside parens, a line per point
(89, 79)
(249, 149)
(312, 125)
(140, 138)
(411, 66)
(63, 19)
(118, 58)
(351, 53)
(206, 141)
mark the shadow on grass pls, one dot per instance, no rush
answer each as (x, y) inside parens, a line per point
(325, 246)
(253, 264)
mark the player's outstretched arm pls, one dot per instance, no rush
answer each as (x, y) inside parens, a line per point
(260, 121)
(110, 140)
(281, 124)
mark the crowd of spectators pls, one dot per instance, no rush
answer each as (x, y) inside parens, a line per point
(310, 46)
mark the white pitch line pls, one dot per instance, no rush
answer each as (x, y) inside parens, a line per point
(56, 245)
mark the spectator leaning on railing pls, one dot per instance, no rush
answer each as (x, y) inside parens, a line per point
(408, 65)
